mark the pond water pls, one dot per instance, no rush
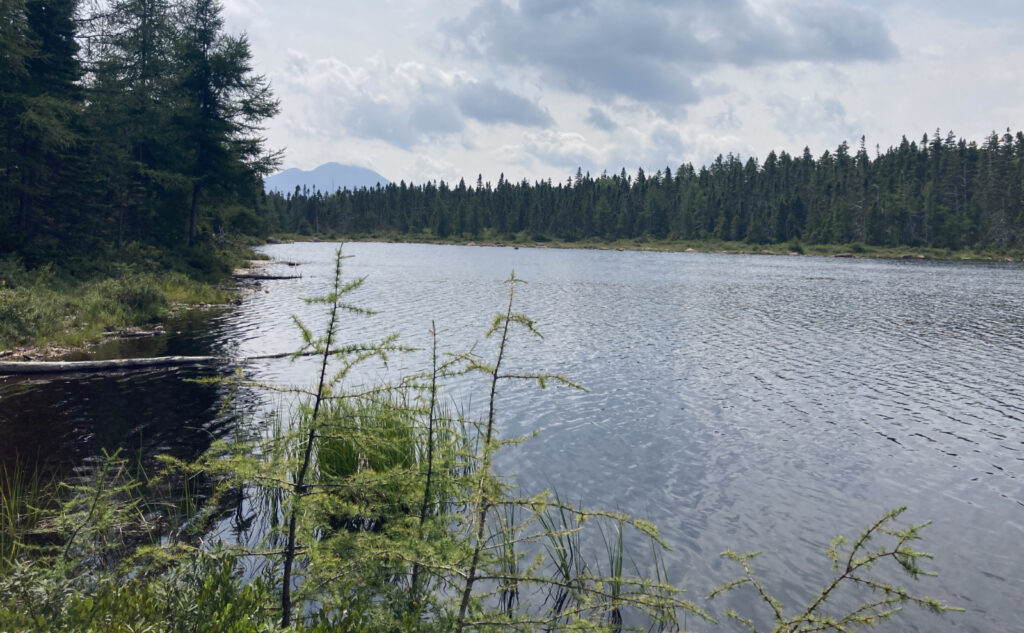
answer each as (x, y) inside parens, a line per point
(743, 402)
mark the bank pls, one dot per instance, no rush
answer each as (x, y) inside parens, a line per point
(50, 310)
(644, 243)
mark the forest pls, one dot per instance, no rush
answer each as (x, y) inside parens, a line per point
(942, 192)
(130, 122)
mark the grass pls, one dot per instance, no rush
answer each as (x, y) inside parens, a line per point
(25, 499)
(74, 305)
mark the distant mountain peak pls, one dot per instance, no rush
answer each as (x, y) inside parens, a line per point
(326, 178)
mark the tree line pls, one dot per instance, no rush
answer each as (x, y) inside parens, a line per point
(126, 121)
(140, 122)
(943, 192)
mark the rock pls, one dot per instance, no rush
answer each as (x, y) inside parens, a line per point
(793, 253)
(843, 255)
(690, 250)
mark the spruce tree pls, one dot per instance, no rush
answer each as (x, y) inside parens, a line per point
(225, 104)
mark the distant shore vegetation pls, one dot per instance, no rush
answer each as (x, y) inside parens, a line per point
(942, 192)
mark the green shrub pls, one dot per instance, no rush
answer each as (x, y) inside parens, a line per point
(129, 300)
(30, 313)
(13, 273)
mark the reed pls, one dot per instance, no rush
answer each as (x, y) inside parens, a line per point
(26, 497)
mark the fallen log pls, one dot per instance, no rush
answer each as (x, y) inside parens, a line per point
(264, 276)
(133, 334)
(67, 367)
(17, 368)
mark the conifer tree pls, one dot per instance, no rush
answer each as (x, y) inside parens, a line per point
(224, 106)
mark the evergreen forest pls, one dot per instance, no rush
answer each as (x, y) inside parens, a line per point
(126, 122)
(942, 192)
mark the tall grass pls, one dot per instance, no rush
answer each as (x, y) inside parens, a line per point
(41, 308)
(26, 498)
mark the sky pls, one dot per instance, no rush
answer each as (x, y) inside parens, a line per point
(447, 89)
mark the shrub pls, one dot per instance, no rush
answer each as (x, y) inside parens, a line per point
(129, 300)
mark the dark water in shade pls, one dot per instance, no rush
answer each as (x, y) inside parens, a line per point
(744, 402)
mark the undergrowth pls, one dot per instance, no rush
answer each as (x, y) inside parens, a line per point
(68, 305)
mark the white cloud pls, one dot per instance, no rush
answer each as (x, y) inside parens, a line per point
(407, 104)
(562, 149)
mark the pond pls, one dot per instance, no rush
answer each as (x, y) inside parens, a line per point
(744, 402)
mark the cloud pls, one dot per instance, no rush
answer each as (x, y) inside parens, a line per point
(598, 118)
(425, 168)
(406, 105)
(561, 149)
(796, 117)
(650, 51)
(666, 146)
(490, 104)
(656, 147)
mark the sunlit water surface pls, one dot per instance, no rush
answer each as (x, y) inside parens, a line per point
(743, 402)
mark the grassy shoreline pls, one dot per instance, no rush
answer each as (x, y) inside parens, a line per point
(792, 248)
(48, 312)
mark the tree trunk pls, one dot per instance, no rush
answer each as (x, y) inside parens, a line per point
(193, 219)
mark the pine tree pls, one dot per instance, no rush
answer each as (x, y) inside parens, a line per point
(41, 121)
(225, 105)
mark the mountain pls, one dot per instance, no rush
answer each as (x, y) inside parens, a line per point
(327, 178)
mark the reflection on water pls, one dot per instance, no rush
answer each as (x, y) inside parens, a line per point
(757, 403)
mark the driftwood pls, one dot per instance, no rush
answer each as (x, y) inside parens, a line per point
(263, 276)
(95, 366)
(133, 334)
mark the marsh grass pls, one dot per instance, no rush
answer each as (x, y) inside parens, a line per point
(71, 301)
(26, 498)
(62, 312)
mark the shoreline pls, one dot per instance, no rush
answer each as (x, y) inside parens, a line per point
(849, 251)
(75, 340)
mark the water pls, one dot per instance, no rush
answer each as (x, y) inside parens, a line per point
(744, 402)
